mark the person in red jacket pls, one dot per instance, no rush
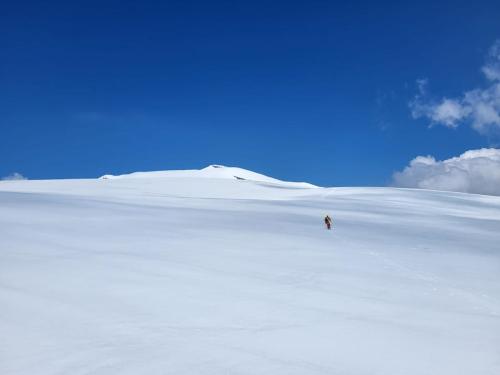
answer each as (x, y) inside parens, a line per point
(328, 222)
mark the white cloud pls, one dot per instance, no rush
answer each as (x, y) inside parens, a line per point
(449, 112)
(422, 85)
(480, 107)
(484, 107)
(475, 171)
(14, 176)
(492, 68)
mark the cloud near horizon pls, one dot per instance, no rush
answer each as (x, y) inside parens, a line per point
(475, 171)
(480, 107)
(14, 176)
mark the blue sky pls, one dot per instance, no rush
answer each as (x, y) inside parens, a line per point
(300, 90)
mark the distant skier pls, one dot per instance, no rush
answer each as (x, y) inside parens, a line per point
(328, 222)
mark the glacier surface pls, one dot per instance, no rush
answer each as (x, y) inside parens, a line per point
(193, 272)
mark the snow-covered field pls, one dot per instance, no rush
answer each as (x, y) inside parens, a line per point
(199, 272)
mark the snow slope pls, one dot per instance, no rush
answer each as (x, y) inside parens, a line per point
(180, 273)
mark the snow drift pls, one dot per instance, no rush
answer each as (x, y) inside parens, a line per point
(180, 273)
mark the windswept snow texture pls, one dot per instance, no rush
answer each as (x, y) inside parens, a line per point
(196, 275)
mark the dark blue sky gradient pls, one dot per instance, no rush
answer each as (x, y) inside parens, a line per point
(300, 90)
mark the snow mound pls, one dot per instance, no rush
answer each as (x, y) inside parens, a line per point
(212, 171)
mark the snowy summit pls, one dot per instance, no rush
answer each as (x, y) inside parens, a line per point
(227, 271)
(213, 171)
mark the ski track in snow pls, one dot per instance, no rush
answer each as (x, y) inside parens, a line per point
(182, 273)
